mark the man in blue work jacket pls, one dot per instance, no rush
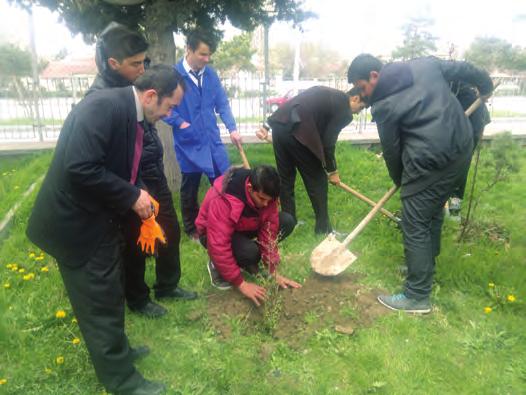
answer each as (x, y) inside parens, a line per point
(197, 142)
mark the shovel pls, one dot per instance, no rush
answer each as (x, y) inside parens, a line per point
(331, 257)
(246, 165)
(372, 203)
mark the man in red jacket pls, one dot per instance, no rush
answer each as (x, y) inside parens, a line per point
(239, 224)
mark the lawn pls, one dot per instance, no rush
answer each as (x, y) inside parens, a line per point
(219, 344)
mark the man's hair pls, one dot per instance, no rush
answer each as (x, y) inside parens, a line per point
(163, 79)
(265, 179)
(354, 91)
(361, 67)
(193, 39)
(119, 42)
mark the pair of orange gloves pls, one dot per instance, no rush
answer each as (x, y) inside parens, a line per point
(151, 234)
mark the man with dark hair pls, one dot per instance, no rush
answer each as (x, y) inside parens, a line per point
(427, 144)
(119, 44)
(197, 141)
(304, 134)
(120, 56)
(90, 185)
(239, 225)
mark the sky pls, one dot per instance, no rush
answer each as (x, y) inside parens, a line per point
(351, 27)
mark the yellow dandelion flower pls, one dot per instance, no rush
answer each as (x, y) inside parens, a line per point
(75, 341)
(511, 298)
(60, 314)
(491, 285)
(74, 321)
(7, 285)
(3, 381)
(29, 276)
(9, 265)
(487, 309)
(32, 255)
(59, 360)
(21, 270)
(44, 269)
(14, 268)
(39, 258)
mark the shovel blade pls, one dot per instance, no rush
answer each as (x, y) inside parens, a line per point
(331, 257)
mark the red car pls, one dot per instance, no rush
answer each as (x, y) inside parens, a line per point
(273, 103)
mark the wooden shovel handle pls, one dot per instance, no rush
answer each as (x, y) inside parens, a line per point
(246, 165)
(369, 216)
(372, 203)
(476, 104)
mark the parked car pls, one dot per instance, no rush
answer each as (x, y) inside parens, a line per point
(273, 103)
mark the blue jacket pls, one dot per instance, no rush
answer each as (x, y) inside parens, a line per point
(199, 147)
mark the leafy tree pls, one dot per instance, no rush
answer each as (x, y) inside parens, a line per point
(492, 53)
(417, 40)
(158, 19)
(235, 55)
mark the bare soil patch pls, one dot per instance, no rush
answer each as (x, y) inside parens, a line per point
(339, 303)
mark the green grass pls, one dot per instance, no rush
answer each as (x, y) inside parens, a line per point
(457, 349)
(17, 173)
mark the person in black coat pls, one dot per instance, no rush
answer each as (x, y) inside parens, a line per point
(304, 134)
(427, 145)
(121, 59)
(76, 217)
(466, 94)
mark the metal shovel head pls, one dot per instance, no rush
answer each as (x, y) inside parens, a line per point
(331, 257)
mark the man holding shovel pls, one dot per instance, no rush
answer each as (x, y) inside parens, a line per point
(304, 134)
(427, 144)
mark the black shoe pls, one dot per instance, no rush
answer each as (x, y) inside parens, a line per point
(150, 310)
(139, 352)
(177, 293)
(146, 388)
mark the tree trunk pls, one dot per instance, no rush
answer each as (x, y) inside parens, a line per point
(162, 50)
(171, 166)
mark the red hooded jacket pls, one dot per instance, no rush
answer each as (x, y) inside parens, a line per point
(228, 208)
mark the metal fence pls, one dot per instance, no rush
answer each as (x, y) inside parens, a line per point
(28, 114)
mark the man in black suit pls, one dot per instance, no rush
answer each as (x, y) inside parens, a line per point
(304, 134)
(90, 184)
(121, 59)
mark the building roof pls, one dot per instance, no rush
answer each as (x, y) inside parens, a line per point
(69, 67)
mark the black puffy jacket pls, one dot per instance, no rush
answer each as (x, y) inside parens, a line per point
(422, 126)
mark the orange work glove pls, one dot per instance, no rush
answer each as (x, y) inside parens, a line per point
(155, 205)
(151, 235)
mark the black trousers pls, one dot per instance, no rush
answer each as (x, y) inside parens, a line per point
(96, 294)
(291, 155)
(167, 263)
(245, 247)
(422, 219)
(189, 199)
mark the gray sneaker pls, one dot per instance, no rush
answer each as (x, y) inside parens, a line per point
(400, 302)
(216, 279)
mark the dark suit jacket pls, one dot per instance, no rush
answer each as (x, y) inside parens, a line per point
(315, 117)
(87, 185)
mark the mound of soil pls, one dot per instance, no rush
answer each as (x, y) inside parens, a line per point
(339, 303)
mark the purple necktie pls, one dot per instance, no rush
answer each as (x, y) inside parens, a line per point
(137, 153)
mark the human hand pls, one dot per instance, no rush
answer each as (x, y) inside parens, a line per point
(235, 137)
(262, 133)
(143, 205)
(254, 292)
(285, 282)
(334, 178)
(184, 125)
